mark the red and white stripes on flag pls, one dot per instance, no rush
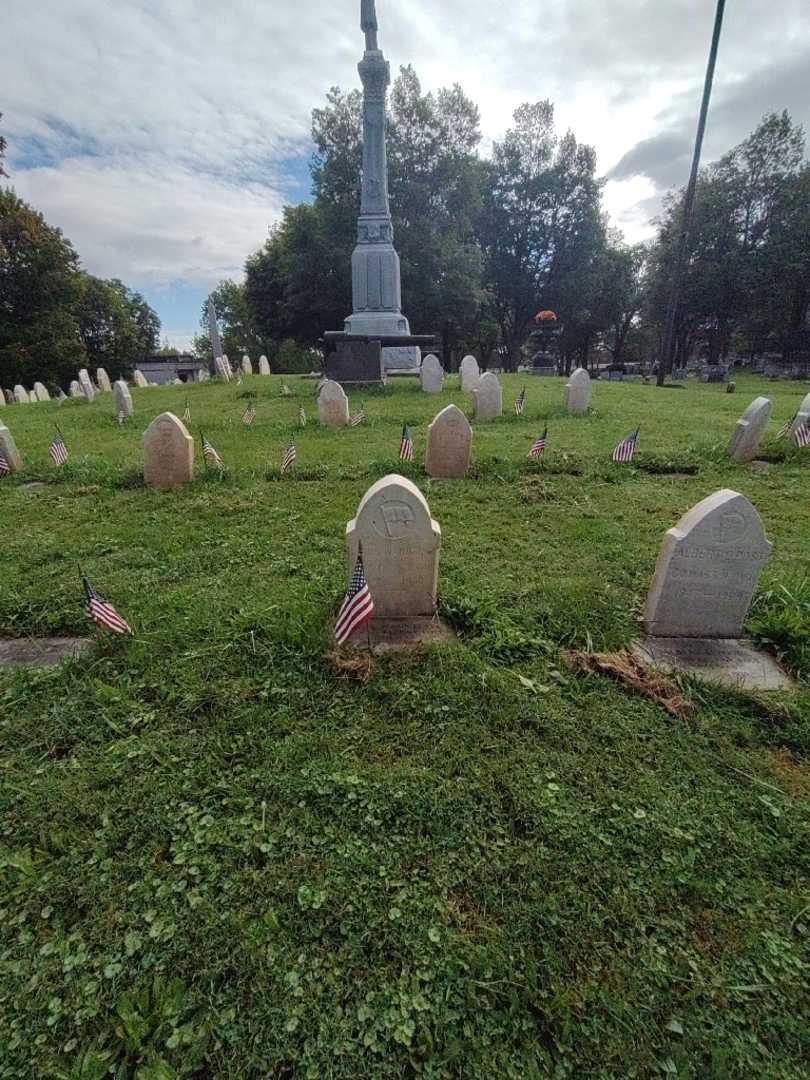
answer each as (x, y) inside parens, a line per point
(539, 445)
(5, 468)
(801, 436)
(286, 391)
(520, 403)
(358, 417)
(785, 429)
(288, 457)
(248, 416)
(210, 454)
(302, 417)
(58, 450)
(357, 607)
(406, 444)
(627, 447)
(102, 612)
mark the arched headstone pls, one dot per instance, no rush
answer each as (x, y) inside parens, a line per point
(75, 389)
(103, 380)
(139, 379)
(333, 405)
(41, 392)
(802, 417)
(264, 366)
(2, 398)
(469, 374)
(577, 393)
(431, 375)
(449, 442)
(9, 450)
(21, 395)
(488, 398)
(749, 429)
(247, 367)
(168, 453)
(122, 400)
(401, 543)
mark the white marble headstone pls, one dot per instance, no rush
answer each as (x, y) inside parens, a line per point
(139, 379)
(449, 443)
(333, 405)
(487, 398)
(103, 380)
(468, 374)
(75, 389)
(264, 366)
(168, 453)
(21, 395)
(401, 543)
(2, 398)
(431, 375)
(247, 367)
(122, 399)
(577, 393)
(41, 392)
(9, 449)
(749, 429)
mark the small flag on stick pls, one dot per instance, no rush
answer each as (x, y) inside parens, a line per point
(302, 417)
(627, 447)
(288, 457)
(5, 468)
(249, 415)
(801, 436)
(406, 444)
(187, 413)
(785, 429)
(285, 390)
(520, 402)
(358, 417)
(539, 445)
(102, 612)
(358, 605)
(57, 449)
(210, 454)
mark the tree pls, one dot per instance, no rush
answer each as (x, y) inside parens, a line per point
(116, 326)
(3, 146)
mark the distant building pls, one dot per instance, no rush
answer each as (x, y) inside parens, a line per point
(165, 369)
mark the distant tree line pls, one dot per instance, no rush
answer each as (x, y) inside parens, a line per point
(487, 243)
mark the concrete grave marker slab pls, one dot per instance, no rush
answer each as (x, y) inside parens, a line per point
(431, 375)
(103, 380)
(9, 450)
(264, 366)
(401, 543)
(21, 395)
(449, 443)
(468, 374)
(488, 398)
(168, 453)
(749, 429)
(247, 367)
(333, 405)
(122, 399)
(801, 417)
(577, 393)
(139, 379)
(41, 392)
(40, 652)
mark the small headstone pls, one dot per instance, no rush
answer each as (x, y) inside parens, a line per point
(75, 389)
(139, 379)
(62, 396)
(103, 380)
(9, 449)
(41, 392)
(264, 366)
(469, 374)
(401, 543)
(203, 375)
(802, 417)
(577, 393)
(88, 390)
(488, 398)
(750, 428)
(449, 442)
(333, 405)
(21, 395)
(2, 398)
(247, 367)
(122, 400)
(41, 652)
(432, 375)
(707, 570)
(168, 453)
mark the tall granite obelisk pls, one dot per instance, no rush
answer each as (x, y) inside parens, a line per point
(376, 284)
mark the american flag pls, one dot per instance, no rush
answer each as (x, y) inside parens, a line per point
(187, 413)
(302, 417)
(539, 445)
(785, 430)
(801, 436)
(357, 607)
(210, 454)
(102, 612)
(5, 468)
(248, 416)
(286, 391)
(358, 417)
(627, 447)
(406, 444)
(288, 457)
(58, 450)
(520, 402)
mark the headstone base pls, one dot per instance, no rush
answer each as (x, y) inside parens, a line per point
(405, 358)
(356, 363)
(40, 652)
(731, 662)
(397, 634)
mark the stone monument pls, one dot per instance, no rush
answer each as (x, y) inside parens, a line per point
(139, 379)
(333, 405)
(449, 442)
(9, 450)
(431, 375)
(488, 398)
(247, 367)
(749, 430)
(2, 398)
(75, 389)
(168, 453)
(122, 399)
(577, 393)
(21, 395)
(103, 380)
(468, 374)
(213, 331)
(41, 392)
(264, 366)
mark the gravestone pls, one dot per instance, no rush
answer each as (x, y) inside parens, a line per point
(264, 366)
(431, 375)
(9, 449)
(401, 543)
(469, 374)
(449, 442)
(122, 399)
(168, 453)
(749, 430)
(75, 389)
(333, 405)
(802, 417)
(41, 392)
(356, 363)
(88, 389)
(21, 395)
(139, 379)
(228, 367)
(32, 396)
(488, 398)
(247, 367)
(103, 380)
(222, 369)
(2, 398)
(577, 393)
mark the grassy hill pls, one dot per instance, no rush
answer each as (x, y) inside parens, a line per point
(221, 855)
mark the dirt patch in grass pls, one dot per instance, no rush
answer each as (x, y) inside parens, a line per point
(626, 669)
(793, 776)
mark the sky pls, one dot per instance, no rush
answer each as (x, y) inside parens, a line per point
(165, 136)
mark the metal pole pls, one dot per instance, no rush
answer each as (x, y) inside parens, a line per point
(668, 349)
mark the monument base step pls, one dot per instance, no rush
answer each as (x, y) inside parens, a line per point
(40, 652)
(731, 662)
(393, 634)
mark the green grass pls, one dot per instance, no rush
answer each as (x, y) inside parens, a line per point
(220, 859)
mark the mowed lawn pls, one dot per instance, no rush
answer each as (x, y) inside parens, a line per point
(223, 855)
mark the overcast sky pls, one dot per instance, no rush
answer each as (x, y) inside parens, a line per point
(164, 136)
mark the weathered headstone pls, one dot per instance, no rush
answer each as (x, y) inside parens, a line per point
(488, 398)
(139, 379)
(264, 366)
(247, 367)
(103, 380)
(21, 395)
(432, 375)
(122, 399)
(469, 374)
(88, 389)
(2, 398)
(577, 393)
(75, 389)
(333, 405)
(449, 442)
(401, 543)
(168, 453)
(41, 392)
(749, 430)
(9, 449)
(802, 417)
